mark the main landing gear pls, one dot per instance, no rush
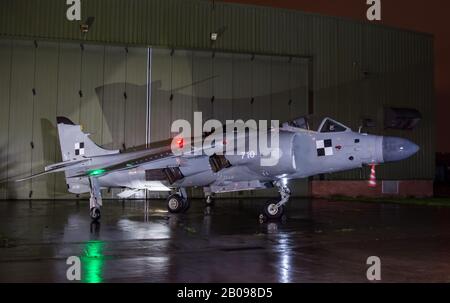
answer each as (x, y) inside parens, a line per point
(95, 201)
(274, 210)
(178, 202)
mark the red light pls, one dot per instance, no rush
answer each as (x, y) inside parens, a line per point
(373, 178)
(180, 142)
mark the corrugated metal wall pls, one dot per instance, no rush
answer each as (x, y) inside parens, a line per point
(399, 73)
(357, 68)
(99, 87)
(104, 88)
(225, 86)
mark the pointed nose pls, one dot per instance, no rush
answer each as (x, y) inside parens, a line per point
(397, 149)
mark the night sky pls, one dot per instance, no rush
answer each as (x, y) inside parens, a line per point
(425, 16)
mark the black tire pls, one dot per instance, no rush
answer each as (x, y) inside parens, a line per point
(271, 212)
(175, 204)
(95, 214)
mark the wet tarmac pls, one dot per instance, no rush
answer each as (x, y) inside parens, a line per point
(320, 241)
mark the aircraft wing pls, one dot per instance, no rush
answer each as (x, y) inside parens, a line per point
(128, 163)
(156, 156)
(160, 156)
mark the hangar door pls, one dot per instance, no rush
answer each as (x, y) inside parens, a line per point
(103, 88)
(127, 97)
(226, 86)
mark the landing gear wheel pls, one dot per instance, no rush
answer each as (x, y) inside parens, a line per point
(209, 200)
(272, 212)
(95, 213)
(176, 204)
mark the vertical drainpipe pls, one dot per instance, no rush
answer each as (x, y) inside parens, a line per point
(149, 98)
(148, 103)
(311, 107)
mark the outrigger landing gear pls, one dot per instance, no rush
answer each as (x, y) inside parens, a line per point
(95, 201)
(95, 213)
(274, 210)
(178, 202)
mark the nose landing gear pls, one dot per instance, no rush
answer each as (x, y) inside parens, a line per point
(271, 211)
(274, 210)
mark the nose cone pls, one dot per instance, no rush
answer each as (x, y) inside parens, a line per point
(397, 149)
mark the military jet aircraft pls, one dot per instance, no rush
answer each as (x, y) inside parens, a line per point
(334, 147)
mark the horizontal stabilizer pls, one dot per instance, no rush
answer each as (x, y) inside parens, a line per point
(54, 168)
(34, 176)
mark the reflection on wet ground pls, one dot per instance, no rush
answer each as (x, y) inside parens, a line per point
(321, 241)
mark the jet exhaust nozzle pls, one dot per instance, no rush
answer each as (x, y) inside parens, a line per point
(397, 149)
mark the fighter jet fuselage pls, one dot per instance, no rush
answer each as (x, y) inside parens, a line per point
(302, 153)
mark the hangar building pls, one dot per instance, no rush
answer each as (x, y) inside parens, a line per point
(128, 68)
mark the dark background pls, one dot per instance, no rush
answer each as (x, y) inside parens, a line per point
(419, 15)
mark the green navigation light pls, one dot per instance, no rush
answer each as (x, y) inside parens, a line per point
(96, 172)
(92, 262)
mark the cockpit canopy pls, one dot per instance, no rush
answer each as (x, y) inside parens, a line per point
(329, 125)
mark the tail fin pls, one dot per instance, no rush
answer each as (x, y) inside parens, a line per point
(75, 144)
